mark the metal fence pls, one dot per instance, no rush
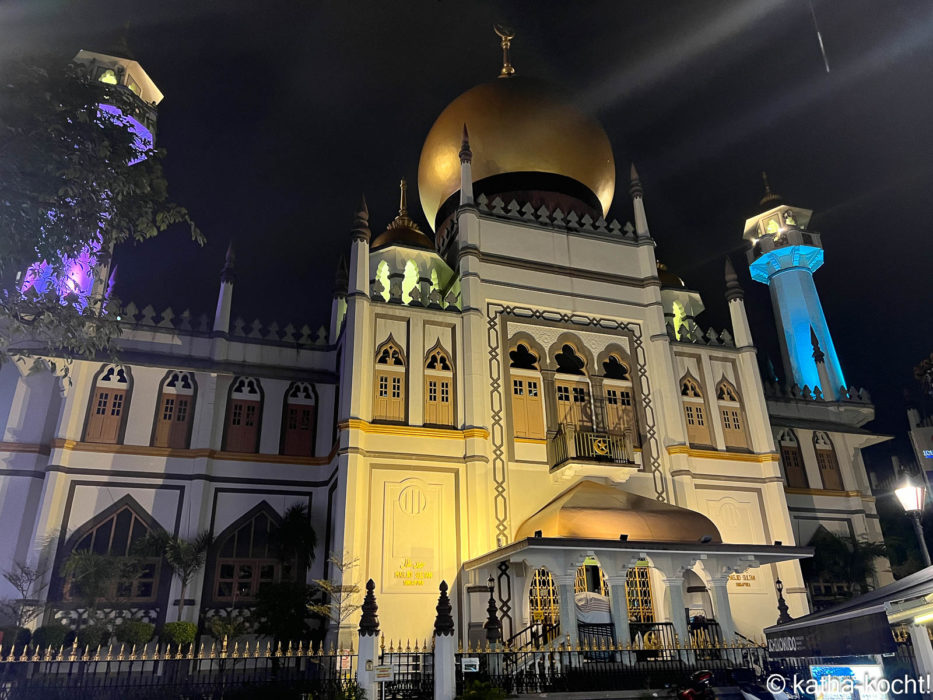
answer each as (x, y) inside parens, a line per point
(412, 671)
(234, 670)
(603, 666)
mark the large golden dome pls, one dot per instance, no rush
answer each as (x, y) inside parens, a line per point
(516, 125)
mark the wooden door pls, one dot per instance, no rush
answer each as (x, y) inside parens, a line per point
(299, 430)
(106, 417)
(242, 426)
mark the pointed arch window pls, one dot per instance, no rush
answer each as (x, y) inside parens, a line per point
(175, 410)
(732, 416)
(795, 474)
(109, 405)
(300, 420)
(527, 406)
(244, 411)
(620, 401)
(389, 383)
(245, 557)
(573, 389)
(438, 388)
(113, 533)
(695, 414)
(827, 462)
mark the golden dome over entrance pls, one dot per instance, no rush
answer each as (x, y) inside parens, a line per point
(595, 511)
(517, 126)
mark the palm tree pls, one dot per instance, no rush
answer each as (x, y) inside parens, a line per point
(295, 539)
(844, 559)
(93, 576)
(185, 557)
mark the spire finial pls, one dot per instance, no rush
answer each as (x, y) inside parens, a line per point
(403, 197)
(226, 273)
(733, 288)
(770, 200)
(444, 622)
(466, 155)
(635, 189)
(817, 352)
(361, 222)
(505, 35)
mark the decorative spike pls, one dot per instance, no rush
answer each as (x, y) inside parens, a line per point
(360, 230)
(635, 189)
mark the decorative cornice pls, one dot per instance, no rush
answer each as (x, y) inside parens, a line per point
(729, 456)
(825, 492)
(199, 453)
(31, 448)
(413, 430)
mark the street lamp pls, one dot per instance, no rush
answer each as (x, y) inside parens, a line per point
(911, 497)
(783, 615)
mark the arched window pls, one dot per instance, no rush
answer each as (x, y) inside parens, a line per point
(620, 408)
(573, 394)
(244, 410)
(113, 533)
(827, 462)
(694, 412)
(244, 557)
(732, 416)
(638, 594)
(438, 388)
(109, 405)
(543, 599)
(175, 410)
(299, 422)
(389, 389)
(795, 475)
(527, 408)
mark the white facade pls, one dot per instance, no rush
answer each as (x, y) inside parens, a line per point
(457, 393)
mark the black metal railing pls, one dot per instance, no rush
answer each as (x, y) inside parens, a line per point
(412, 672)
(234, 670)
(571, 442)
(591, 668)
(535, 635)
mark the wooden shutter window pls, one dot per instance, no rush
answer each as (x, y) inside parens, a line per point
(243, 411)
(794, 470)
(108, 406)
(300, 415)
(829, 467)
(173, 421)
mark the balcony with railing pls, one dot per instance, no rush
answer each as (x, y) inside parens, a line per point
(594, 438)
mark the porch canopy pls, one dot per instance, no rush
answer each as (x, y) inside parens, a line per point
(619, 529)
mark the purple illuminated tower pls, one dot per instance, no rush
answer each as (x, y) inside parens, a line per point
(87, 274)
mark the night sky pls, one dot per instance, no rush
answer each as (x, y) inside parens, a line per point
(279, 114)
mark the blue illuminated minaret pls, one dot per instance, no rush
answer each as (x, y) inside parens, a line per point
(784, 255)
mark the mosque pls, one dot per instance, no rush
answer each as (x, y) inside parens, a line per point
(515, 398)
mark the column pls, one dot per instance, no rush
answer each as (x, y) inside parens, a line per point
(722, 608)
(675, 589)
(568, 607)
(923, 653)
(619, 607)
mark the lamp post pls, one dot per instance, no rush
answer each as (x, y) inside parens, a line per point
(492, 625)
(783, 615)
(911, 497)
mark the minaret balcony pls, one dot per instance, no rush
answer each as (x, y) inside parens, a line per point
(573, 444)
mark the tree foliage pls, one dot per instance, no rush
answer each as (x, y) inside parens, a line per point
(341, 593)
(27, 582)
(67, 181)
(844, 559)
(185, 557)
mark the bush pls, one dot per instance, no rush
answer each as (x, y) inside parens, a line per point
(134, 632)
(351, 690)
(18, 637)
(178, 633)
(478, 690)
(92, 637)
(49, 636)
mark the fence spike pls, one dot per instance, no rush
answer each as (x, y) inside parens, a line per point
(278, 650)
(223, 647)
(288, 649)
(460, 646)
(236, 650)
(382, 643)
(179, 654)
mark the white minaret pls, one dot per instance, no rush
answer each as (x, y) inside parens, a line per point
(735, 296)
(466, 170)
(225, 296)
(638, 204)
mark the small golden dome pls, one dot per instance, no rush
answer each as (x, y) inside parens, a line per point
(668, 278)
(596, 511)
(516, 125)
(402, 230)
